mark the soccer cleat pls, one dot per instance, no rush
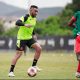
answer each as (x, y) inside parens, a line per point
(11, 74)
(38, 69)
(77, 74)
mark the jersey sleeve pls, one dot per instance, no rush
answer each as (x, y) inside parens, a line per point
(22, 18)
(20, 22)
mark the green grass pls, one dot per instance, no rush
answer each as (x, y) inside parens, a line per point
(54, 65)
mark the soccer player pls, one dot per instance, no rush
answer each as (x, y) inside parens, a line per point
(75, 22)
(25, 37)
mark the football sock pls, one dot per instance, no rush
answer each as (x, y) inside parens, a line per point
(78, 69)
(34, 62)
(12, 68)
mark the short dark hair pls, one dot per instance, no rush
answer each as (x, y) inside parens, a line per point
(34, 6)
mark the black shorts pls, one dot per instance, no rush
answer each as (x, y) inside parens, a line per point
(21, 44)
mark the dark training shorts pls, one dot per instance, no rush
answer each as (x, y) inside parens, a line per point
(21, 44)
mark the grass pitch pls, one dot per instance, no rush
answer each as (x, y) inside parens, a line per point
(54, 65)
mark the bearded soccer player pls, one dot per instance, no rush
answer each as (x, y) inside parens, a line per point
(25, 37)
(75, 22)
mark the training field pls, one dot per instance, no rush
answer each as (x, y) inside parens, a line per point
(54, 65)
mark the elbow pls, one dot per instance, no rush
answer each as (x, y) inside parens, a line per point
(70, 24)
(17, 23)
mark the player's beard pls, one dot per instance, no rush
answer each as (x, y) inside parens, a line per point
(34, 15)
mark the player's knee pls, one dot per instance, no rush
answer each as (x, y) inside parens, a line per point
(19, 52)
(39, 49)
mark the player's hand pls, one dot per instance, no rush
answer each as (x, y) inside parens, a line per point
(28, 25)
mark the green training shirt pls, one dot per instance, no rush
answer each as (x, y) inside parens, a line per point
(76, 30)
(25, 33)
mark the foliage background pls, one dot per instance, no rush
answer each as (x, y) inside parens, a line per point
(53, 25)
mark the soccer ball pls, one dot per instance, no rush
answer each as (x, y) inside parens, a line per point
(32, 71)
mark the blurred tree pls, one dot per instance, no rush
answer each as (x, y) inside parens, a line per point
(53, 25)
(1, 28)
(69, 10)
(76, 5)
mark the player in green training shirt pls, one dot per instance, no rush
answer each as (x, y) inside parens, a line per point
(25, 37)
(75, 22)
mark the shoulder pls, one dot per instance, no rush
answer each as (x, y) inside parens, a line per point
(26, 17)
(78, 12)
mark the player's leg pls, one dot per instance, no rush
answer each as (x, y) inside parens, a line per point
(78, 67)
(32, 43)
(37, 48)
(20, 49)
(77, 50)
(13, 63)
